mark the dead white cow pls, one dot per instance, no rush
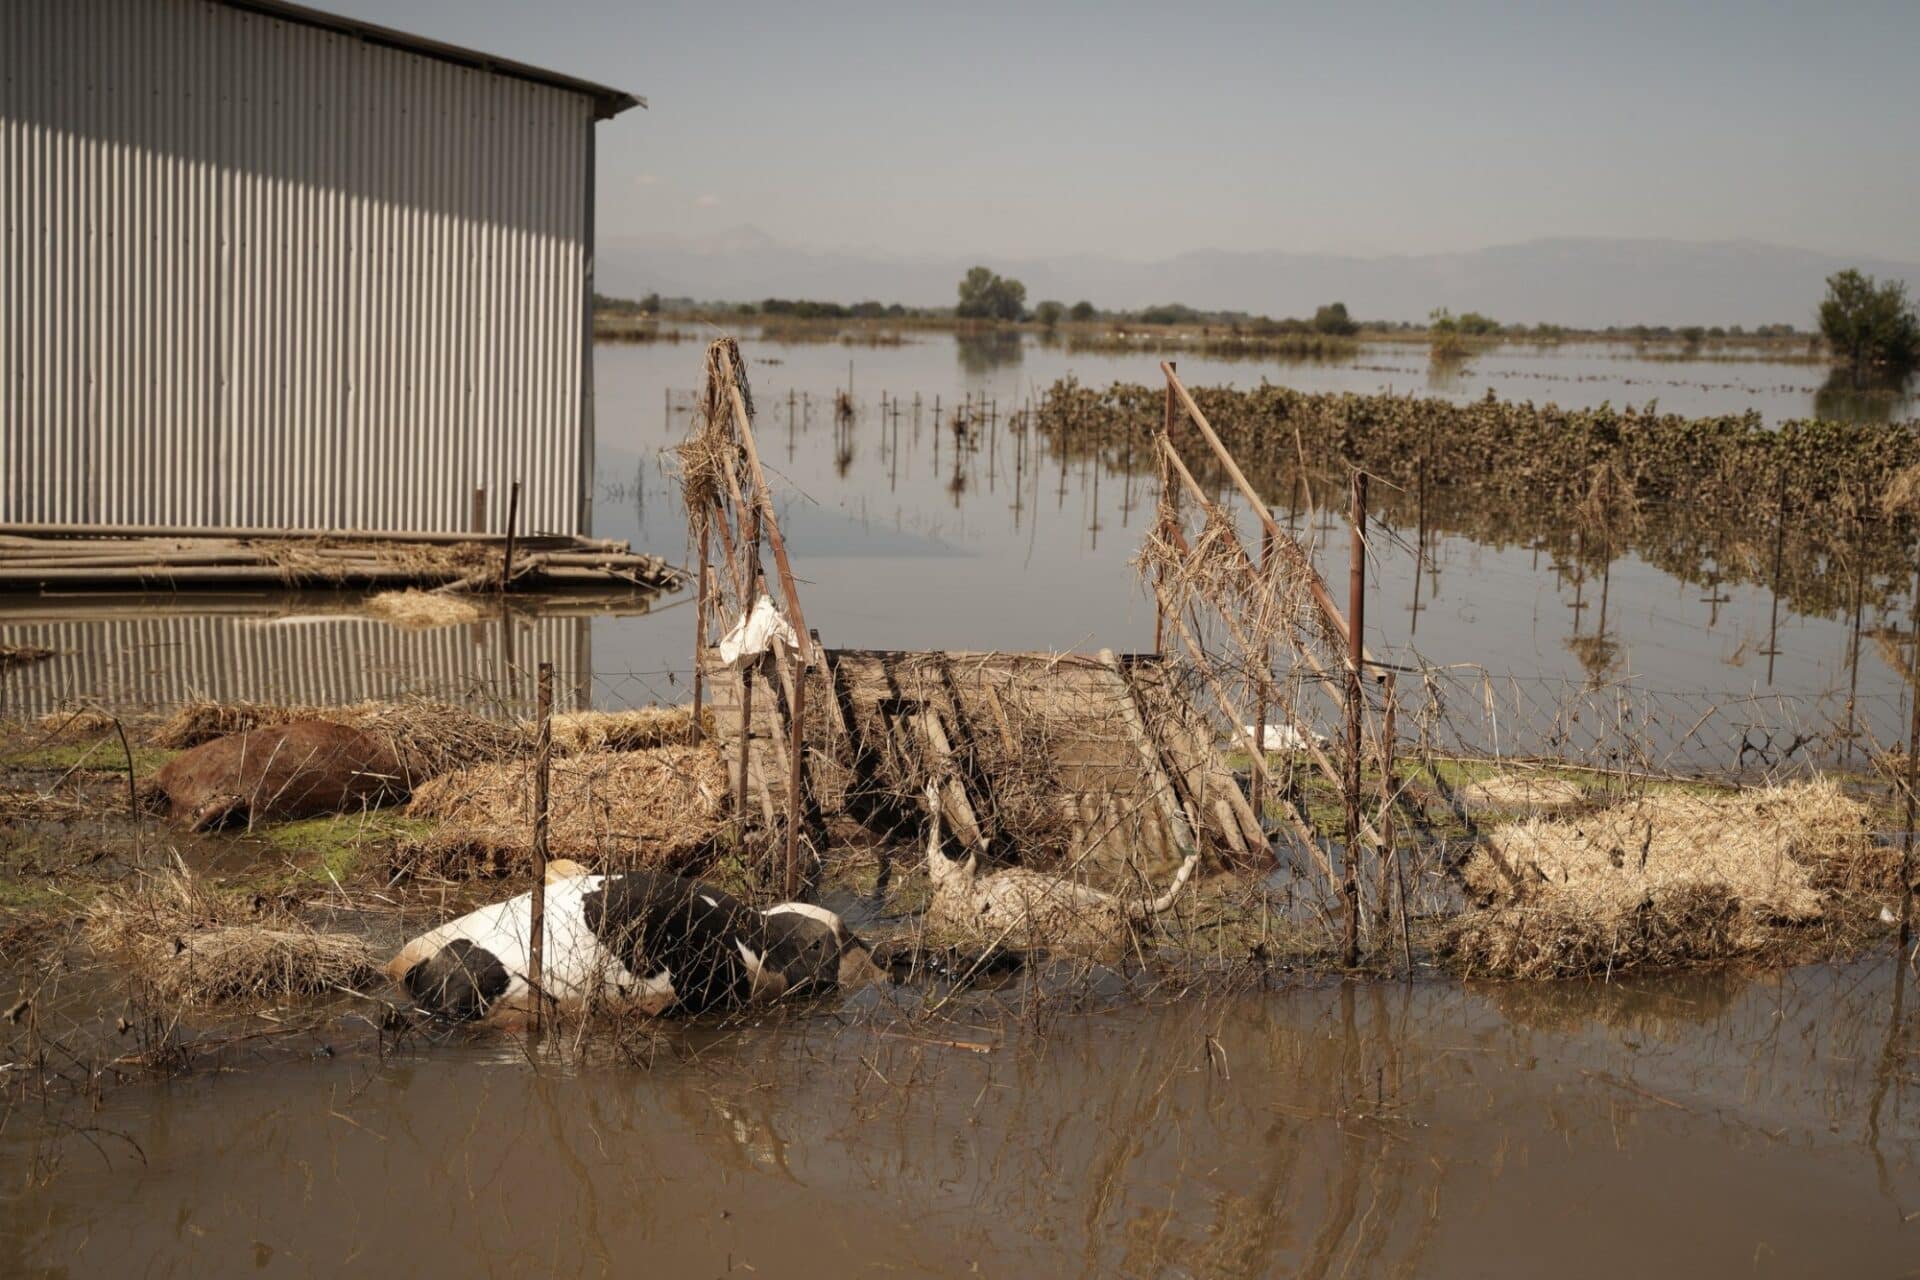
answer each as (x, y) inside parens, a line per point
(1022, 908)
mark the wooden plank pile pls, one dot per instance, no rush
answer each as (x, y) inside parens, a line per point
(36, 557)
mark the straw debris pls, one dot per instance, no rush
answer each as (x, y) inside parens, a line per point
(659, 808)
(1666, 878)
(581, 732)
(422, 609)
(81, 722)
(194, 945)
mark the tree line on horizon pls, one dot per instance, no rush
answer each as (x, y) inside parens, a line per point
(1870, 326)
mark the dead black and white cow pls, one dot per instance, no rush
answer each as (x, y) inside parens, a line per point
(639, 940)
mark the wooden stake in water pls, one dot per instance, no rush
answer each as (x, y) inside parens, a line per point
(543, 763)
(513, 522)
(1356, 654)
(1913, 751)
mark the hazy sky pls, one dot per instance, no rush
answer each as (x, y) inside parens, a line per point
(1020, 130)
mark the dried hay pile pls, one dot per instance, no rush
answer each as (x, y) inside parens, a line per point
(80, 722)
(580, 732)
(1528, 791)
(196, 946)
(428, 737)
(1664, 879)
(660, 808)
(422, 609)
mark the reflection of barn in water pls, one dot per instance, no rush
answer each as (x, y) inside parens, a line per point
(311, 650)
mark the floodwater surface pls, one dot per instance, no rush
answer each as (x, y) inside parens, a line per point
(1705, 1125)
(902, 542)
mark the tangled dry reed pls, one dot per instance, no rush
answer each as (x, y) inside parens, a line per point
(194, 945)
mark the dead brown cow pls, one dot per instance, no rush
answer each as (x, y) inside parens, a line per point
(280, 771)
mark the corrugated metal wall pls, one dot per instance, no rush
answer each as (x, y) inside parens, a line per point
(255, 273)
(148, 662)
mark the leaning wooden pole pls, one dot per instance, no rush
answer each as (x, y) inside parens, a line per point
(803, 657)
(542, 768)
(796, 744)
(1328, 609)
(1356, 622)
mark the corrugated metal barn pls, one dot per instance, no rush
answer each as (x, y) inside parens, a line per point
(267, 267)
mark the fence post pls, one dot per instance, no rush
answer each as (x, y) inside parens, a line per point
(700, 637)
(1356, 622)
(746, 739)
(513, 522)
(1258, 797)
(1166, 497)
(796, 743)
(1913, 748)
(543, 761)
(1389, 853)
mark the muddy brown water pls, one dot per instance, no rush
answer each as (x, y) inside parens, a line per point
(1703, 1125)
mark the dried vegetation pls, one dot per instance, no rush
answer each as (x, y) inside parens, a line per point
(194, 945)
(661, 808)
(1669, 878)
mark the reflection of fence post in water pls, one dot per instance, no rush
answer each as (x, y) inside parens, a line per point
(542, 766)
(1420, 543)
(1859, 604)
(1356, 653)
(1779, 550)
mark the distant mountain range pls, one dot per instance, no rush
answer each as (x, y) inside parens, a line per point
(1583, 282)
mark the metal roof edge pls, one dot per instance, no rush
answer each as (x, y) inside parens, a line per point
(607, 101)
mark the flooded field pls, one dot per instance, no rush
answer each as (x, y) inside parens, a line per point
(902, 543)
(1238, 1118)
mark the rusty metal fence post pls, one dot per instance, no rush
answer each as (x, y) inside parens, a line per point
(1356, 655)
